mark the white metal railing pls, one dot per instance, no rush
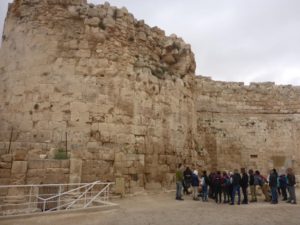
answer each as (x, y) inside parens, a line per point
(27, 199)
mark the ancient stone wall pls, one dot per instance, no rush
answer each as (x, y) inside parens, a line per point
(254, 126)
(123, 100)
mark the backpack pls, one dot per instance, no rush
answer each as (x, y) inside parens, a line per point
(227, 181)
(217, 180)
(261, 181)
(282, 181)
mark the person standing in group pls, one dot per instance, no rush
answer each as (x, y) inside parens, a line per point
(273, 185)
(261, 181)
(225, 187)
(179, 181)
(236, 180)
(211, 191)
(204, 184)
(187, 175)
(291, 181)
(283, 186)
(252, 186)
(244, 185)
(218, 187)
(195, 184)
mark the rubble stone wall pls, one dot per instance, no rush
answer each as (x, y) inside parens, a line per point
(123, 99)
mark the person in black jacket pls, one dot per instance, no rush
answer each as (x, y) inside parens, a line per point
(187, 175)
(244, 185)
(236, 180)
(252, 186)
(273, 185)
(218, 187)
(291, 181)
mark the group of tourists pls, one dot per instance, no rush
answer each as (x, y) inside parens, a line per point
(223, 187)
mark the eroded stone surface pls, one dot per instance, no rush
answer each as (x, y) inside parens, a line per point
(128, 101)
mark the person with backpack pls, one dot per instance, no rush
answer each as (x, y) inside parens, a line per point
(195, 185)
(252, 186)
(244, 185)
(225, 187)
(291, 182)
(204, 184)
(187, 175)
(273, 185)
(236, 180)
(218, 188)
(283, 186)
(262, 182)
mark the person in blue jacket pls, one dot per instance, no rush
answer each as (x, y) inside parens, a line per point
(195, 184)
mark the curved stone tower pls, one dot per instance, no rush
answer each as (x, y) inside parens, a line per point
(119, 91)
(123, 100)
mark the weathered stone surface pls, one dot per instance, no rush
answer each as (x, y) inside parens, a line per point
(94, 21)
(19, 167)
(124, 100)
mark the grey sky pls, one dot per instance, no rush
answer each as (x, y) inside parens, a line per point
(233, 40)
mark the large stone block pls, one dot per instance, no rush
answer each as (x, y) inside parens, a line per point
(19, 167)
(36, 164)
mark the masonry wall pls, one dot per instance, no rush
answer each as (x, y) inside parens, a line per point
(123, 100)
(119, 91)
(255, 126)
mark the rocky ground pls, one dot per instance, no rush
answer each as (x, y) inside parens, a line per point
(161, 208)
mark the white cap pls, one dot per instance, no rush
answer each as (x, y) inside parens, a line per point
(195, 172)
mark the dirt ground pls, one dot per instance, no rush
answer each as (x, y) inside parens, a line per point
(163, 209)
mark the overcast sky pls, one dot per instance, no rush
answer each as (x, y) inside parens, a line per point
(233, 40)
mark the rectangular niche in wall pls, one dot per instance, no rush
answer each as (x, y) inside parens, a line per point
(254, 156)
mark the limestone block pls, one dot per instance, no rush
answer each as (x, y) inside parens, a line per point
(4, 172)
(121, 12)
(6, 158)
(142, 36)
(36, 164)
(110, 156)
(120, 157)
(93, 146)
(65, 164)
(93, 12)
(120, 185)
(109, 22)
(35, 180)
(36, 173)
(74, 11)
(57, 178)
(20, 155)
(19, 167)
(169, 59)
(52, 163)
(4, 181)
(75, 167)
(83, 53)
(78, 107)
(100, 37)
(57, 170)
(94, 21)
